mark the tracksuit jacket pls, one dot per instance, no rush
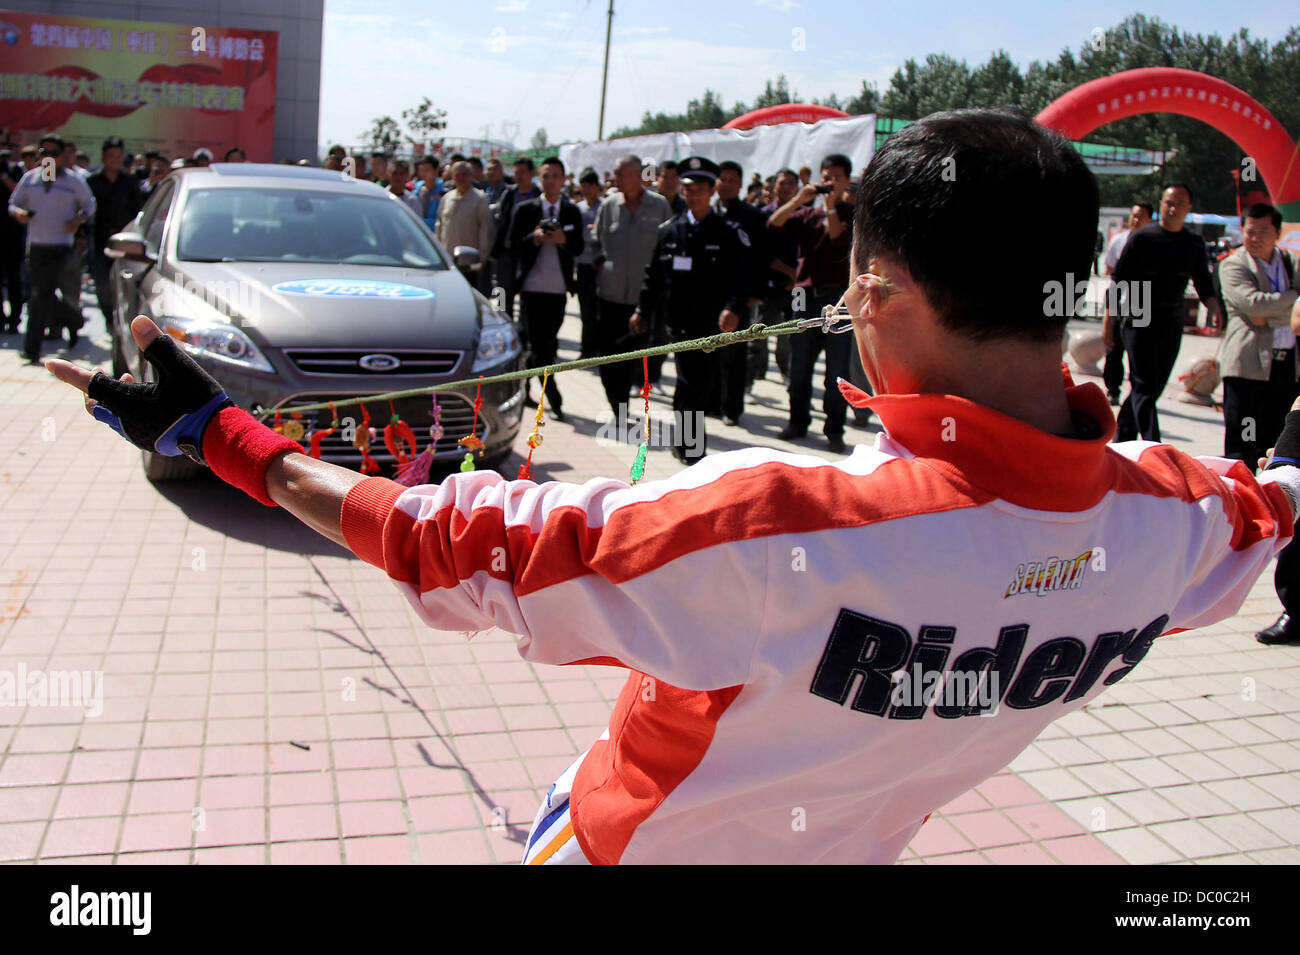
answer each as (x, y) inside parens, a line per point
(833, 649)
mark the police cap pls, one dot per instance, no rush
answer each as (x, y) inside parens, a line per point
(698, 169)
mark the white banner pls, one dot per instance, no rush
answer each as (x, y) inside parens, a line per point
(763, 149)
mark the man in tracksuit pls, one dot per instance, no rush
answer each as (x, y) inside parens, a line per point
(819, 653)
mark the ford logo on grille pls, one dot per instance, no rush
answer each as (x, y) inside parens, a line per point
(379, 363)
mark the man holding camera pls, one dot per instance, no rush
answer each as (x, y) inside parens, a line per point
(823, 232)
(545, 238)
(53, 205)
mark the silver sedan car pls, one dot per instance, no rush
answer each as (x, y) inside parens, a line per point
(294, 286)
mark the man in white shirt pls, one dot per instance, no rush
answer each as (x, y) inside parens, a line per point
(1113, 373)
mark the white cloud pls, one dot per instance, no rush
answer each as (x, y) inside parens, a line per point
(780, 6)
(512, 6)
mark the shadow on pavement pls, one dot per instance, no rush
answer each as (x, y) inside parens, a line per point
(209, 502)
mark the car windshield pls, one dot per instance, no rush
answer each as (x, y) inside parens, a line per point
(272, 225)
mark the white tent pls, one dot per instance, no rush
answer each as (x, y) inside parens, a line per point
(762, 149)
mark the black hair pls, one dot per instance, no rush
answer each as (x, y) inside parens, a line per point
(1151, 210)
(838, 159)
(113, 142)
(668, 164)
(475, 159)
(235, 149)
(553, 161)
(526, 162)
(589, 175)
(1180, 185)
(733, 166)
(1259, 210)
(457, 157)
(941, 176)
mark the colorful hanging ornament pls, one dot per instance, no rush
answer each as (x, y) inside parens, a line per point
(471, 442)
(417, 471)
(293, 430)
(397, 433)
(638, 466)
(318, 436)
(535, 439)
(361, 441)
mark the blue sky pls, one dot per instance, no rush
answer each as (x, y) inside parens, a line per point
(537, 63)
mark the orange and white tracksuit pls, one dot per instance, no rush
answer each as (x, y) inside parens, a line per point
(821, 653)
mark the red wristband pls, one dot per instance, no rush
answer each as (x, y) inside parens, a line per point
(240, 449)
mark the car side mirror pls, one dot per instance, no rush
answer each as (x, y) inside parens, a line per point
(465, 256)
(129, 246)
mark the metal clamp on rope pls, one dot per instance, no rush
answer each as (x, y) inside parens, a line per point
(830, 321)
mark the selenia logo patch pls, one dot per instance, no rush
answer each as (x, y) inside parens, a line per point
(1043, 577)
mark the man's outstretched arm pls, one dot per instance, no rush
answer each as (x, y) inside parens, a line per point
(311, 490)
(578, 572)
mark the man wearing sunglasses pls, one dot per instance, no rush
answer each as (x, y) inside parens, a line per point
(820, 653)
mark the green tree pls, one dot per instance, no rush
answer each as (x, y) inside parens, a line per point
(540, 139)
(384, 135)
(423, 121)
(775, 94)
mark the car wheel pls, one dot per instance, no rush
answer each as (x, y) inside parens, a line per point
(160, 467)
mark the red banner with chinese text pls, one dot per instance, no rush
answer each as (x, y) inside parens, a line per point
(160, 86)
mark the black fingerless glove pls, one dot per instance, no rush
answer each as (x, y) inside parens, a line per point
(166, 416)
(1287, 449)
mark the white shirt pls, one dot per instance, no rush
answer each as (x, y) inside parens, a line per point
(546, 274)
(1283, 337)
(1115, 249)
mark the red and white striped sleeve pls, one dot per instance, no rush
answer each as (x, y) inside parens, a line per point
(660, 578)
(1243, 522)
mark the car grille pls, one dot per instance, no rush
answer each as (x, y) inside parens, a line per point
(347, 361)
(457, 417)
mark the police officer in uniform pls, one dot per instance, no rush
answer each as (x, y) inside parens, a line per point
(698, 275)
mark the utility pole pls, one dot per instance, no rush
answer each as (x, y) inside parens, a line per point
(604, 80)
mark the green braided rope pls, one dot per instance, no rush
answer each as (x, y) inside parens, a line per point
(707, 344)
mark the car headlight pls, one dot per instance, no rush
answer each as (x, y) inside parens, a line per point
(498, 342)
(218, 341)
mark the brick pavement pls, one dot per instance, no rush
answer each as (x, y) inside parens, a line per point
(267, 697)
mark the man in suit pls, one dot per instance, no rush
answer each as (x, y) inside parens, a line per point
(1261, 284)
(545, 237)
(1257, 354)
(502, 251)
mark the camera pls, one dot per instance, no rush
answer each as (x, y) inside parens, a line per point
(824, 189)
(550, 225)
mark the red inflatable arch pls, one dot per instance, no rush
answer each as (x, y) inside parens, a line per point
(785, 113)
(1187, 93)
